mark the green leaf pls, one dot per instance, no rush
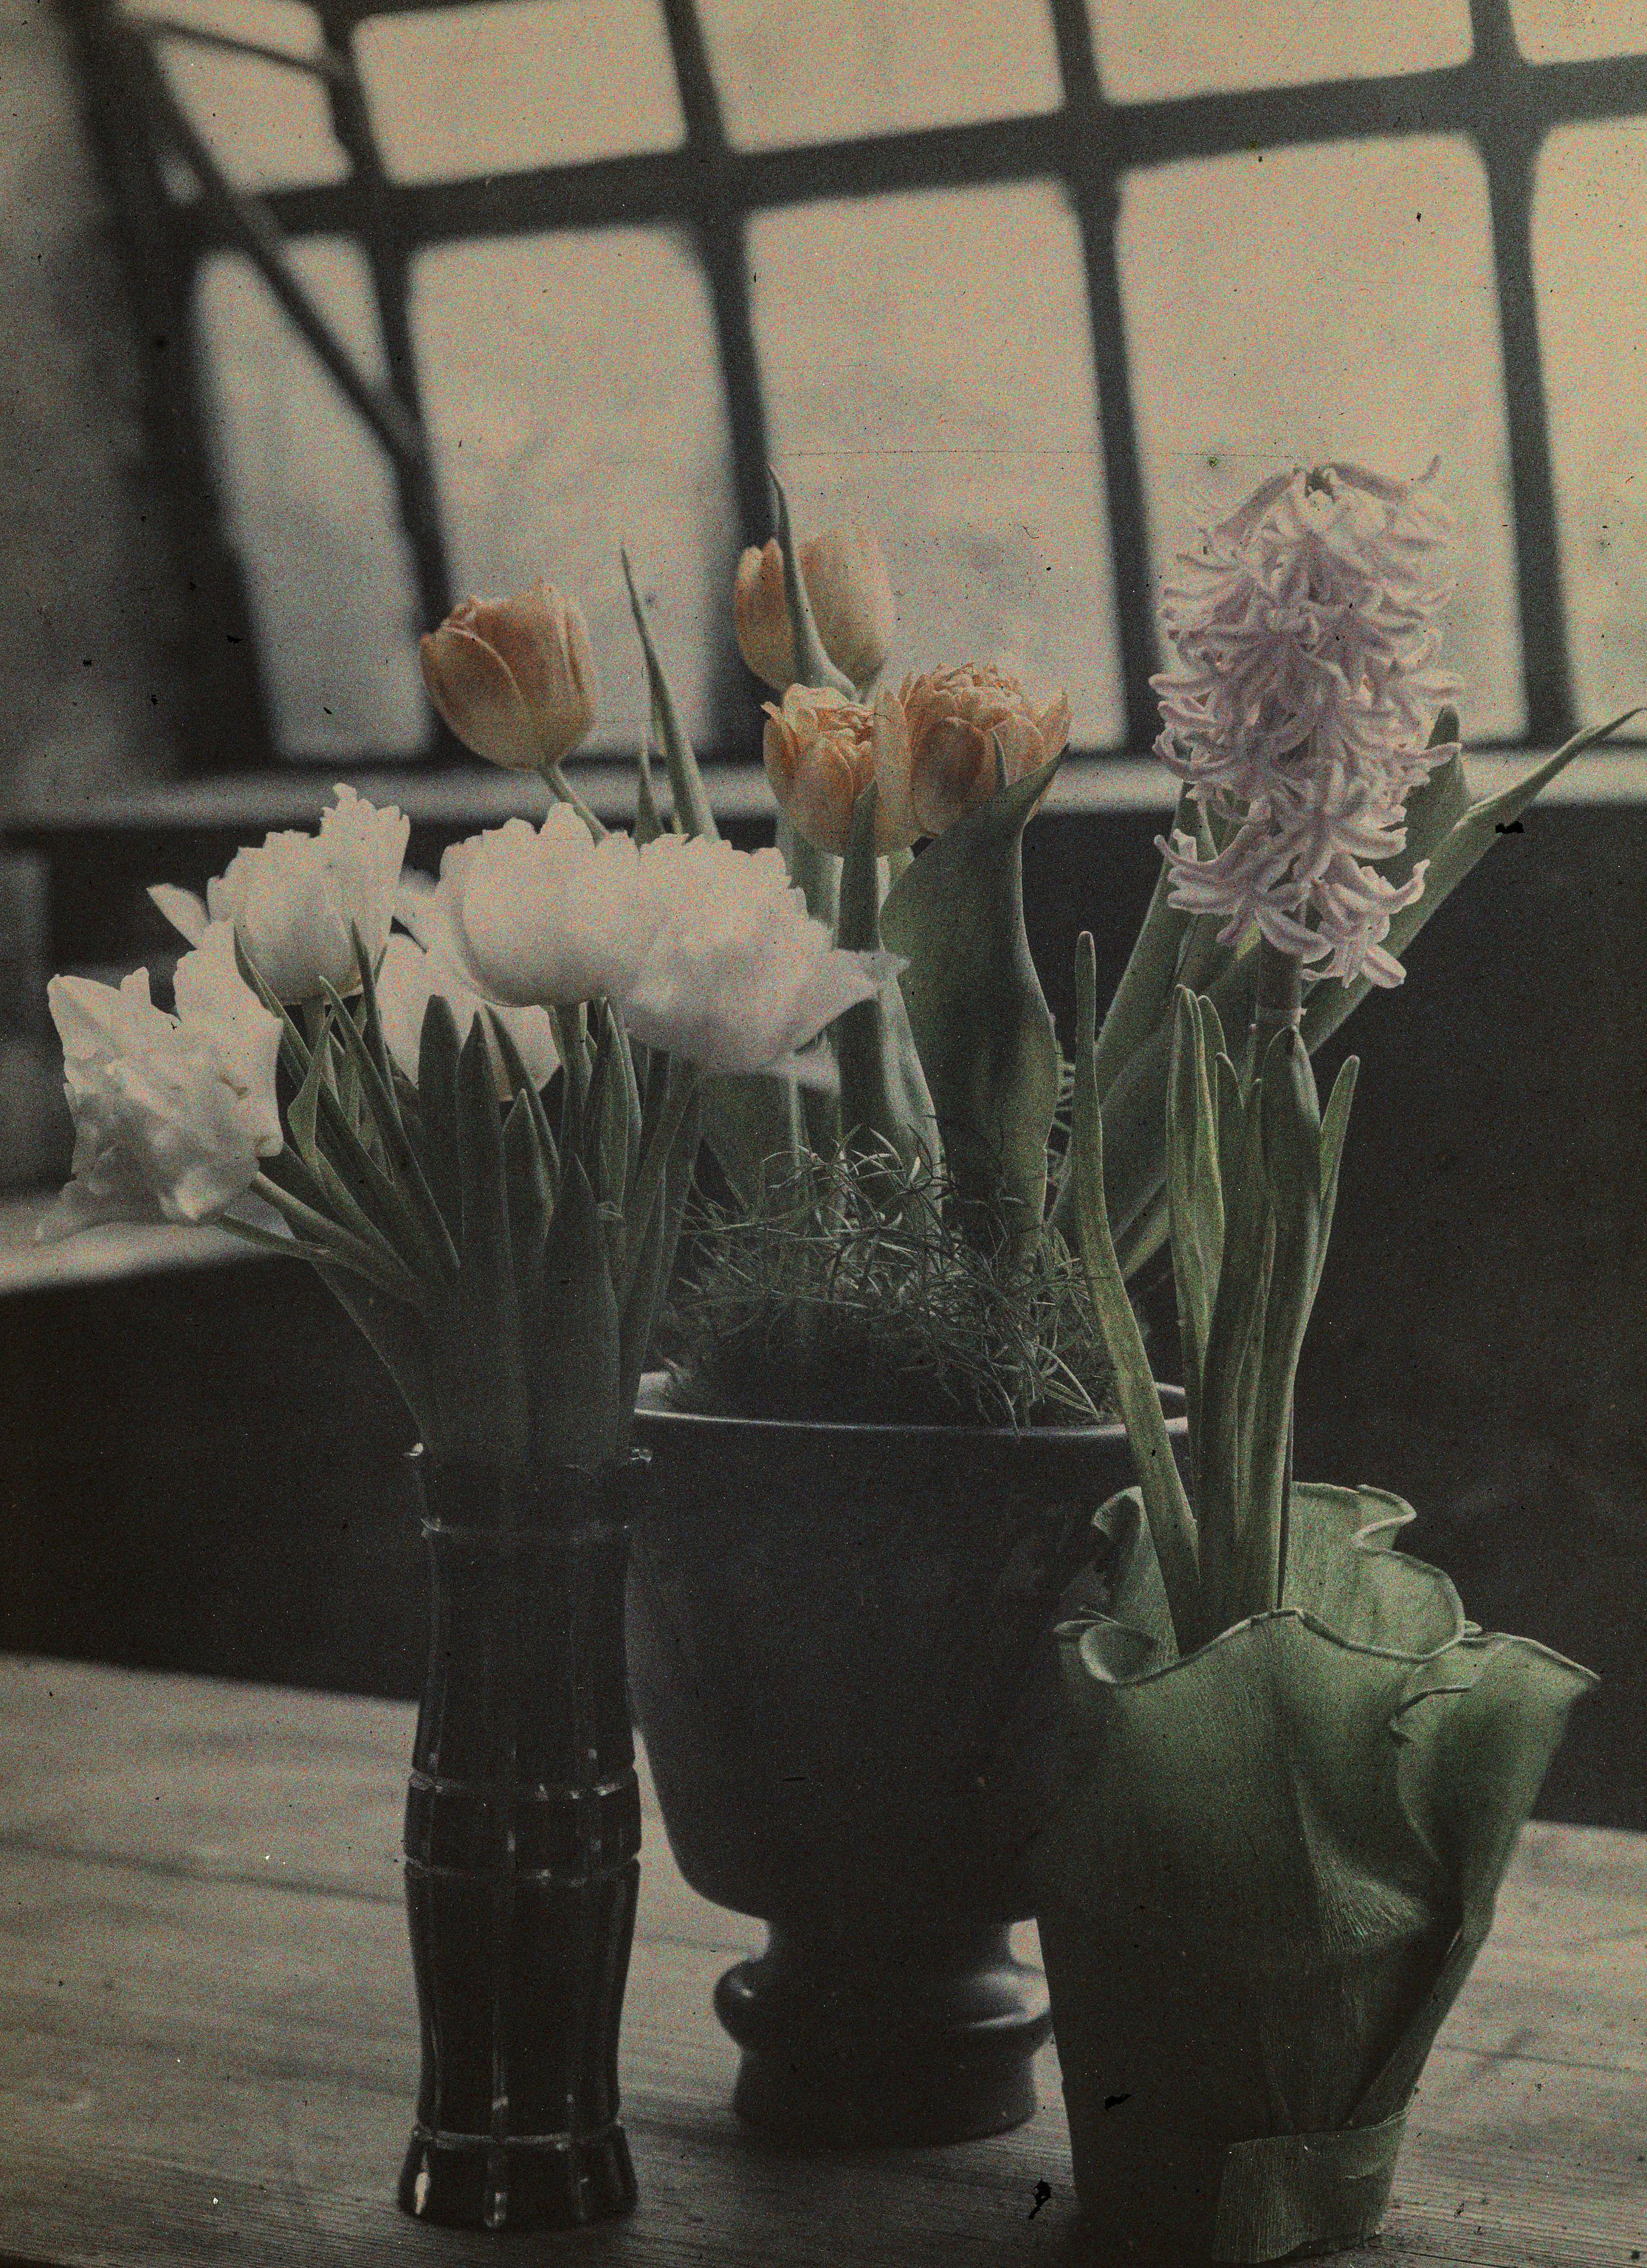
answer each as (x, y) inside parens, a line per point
(350, 1157)
(647, 824)
(983, 1032)
(615, 1110)
(571, 1040)
(438, 1110)
(815, 873)
(521, 1083)
(1195, 1191)
(486, 1300)
(300, 1118)
(423, 1231)
(1222, 1502)
(294, 1048)
(576, 1338)
(1172, 1524)
(753, 1126)
(692, 802)
(530, 1200)
(370, 1026)
(812, 665)
(1335, 1127)
(1292, 1168)
(1144, 995)
(400, 1339)
(885, 1107)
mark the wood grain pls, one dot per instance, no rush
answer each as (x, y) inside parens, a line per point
(207, 2047)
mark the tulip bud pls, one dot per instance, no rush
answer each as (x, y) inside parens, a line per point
(514, 678)
(955, 719)
(852, 603)
(821, 752)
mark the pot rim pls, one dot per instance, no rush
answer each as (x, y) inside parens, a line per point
(650, 1407)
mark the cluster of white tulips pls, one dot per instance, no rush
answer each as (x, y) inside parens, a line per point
(707, 953)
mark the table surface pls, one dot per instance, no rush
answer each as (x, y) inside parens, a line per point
(207, 2046)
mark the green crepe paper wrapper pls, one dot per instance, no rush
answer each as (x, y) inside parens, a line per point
(1269, 1870)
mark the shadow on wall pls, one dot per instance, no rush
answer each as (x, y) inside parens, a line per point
(89, 602)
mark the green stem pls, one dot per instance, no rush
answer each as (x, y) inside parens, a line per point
(678, 1097)
(387, 1270)
(1278, 1000)
(559, 786)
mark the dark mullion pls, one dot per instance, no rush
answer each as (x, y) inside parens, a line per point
(224, 720)
(1508, 139)
(662, 185)
(1090, 162)
(388, 255)
(722, 248)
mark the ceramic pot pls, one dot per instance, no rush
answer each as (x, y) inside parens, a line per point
(842, 1666)
(522, 1839)
(1268, 1872)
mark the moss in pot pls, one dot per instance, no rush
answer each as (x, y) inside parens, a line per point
(841, 1605)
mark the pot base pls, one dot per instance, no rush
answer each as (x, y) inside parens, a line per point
(469, 2181)
(923, 2043)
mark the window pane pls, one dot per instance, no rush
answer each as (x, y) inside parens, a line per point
(456, 90)
(267, 127)
(1264, 330)
(927, 370)
(823, 70)
(1589, 216)
(1569, 31)
(574, 390)
(310, 511)
(1153, 48)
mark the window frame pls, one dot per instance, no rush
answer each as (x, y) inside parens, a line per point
(1499, 103)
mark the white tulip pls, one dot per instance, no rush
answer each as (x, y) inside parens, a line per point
(704, 950)
(172, 1114)
(538, 915)
(408, 979)
(737, 976)
(293, 902)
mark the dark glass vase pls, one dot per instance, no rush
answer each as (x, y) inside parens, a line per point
(523, 1831)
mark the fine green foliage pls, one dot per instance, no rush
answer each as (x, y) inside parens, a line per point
(847, 1296)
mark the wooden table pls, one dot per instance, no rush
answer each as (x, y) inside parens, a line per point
(208, 2050)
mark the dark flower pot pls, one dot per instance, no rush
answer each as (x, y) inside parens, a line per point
(522, 1839)
(842, 1666)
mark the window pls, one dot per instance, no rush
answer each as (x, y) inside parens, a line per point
(478, 290)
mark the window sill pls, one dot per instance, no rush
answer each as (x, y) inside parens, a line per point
(101, 1255)
(246, 802)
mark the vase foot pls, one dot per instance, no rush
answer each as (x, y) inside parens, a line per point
(469, 2181)
(915, 2044)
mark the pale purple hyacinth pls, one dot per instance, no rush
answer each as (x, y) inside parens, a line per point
(1297, 707)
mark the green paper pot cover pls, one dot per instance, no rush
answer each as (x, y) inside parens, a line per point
(1270, 1868)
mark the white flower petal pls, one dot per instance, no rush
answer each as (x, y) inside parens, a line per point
(172, 1114)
